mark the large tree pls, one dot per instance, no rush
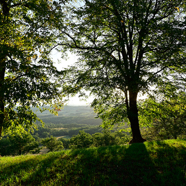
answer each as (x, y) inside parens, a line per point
(124, 47)
(27, 74)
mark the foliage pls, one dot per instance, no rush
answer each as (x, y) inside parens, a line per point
(152, 163)
(5, 147)
(18, 142)
(106, 138)
(82, 140)
(43, 132)
(66, 142)
(167, 116)
(52, 144)
(124, 48)
(28, 76)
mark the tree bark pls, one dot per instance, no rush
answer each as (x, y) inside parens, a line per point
(2, 106)
(133, 118)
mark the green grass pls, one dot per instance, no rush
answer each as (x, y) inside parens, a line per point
(152, 163)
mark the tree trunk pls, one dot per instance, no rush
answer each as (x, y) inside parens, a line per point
(133, 118)
(2, 106)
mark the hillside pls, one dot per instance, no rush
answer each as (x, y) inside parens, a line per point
(69, 115)
(152, 163)
(69, 121)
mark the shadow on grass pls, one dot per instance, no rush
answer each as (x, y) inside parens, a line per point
(170, 162)
(133, 165)
(116, 166)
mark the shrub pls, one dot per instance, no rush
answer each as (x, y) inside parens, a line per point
(52, 143)
(66, 142)
(17, 143)
(82, 140)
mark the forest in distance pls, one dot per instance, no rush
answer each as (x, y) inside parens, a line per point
(69, 121)
(73, 127)
(77, 127)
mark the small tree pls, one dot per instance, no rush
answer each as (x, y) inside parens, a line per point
(104, 139)
(18, 142)
(66, 142)
(52, 143)
(5, 147)
(82, 140)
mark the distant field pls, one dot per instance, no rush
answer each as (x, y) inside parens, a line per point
(69, 121)
(59, 128)
(66, 137)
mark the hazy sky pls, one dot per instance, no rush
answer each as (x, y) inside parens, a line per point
(62, 63)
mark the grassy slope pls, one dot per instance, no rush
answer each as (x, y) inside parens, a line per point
(152, 163)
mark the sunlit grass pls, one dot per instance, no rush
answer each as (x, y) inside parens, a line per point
(151, 163)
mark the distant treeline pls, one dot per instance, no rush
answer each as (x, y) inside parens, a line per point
(69, 122)
(23, 142)
(44, 132)
(90, 120)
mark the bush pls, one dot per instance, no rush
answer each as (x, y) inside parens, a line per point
(85, 140)
(104, 139)
(52, 144)
(5, 147)
(165, 118)
(22, 143)
(17, 143)
(66, 142)
(82, 140)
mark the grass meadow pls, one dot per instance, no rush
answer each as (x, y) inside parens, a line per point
(158, 163)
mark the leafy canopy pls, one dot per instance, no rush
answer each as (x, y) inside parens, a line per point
(124, 48)
(28, 76)
(164, 113)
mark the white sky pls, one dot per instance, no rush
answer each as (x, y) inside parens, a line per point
(62, 63)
